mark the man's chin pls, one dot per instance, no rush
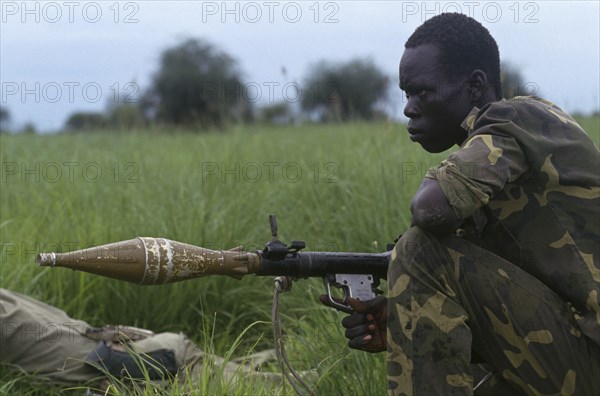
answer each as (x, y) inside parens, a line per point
(432, 148)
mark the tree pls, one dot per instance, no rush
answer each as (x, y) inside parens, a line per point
(277, 113)
(513, 83)
(29, 128)
(81, 121)
(196, 84)
(345, 91)
(125, 116)
(4, 119)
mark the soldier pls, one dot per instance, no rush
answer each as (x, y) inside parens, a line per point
(502, 260)
(43, 340)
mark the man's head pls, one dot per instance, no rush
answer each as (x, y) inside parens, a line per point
(451, 64)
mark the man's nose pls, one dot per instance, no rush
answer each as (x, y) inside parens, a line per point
(411, 110)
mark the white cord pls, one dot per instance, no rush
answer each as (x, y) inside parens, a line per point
(284, 284)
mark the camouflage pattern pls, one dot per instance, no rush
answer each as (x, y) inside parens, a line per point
(527, 181)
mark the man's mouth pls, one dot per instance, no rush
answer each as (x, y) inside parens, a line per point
(415, 134)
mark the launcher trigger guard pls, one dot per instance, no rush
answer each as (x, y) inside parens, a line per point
(333, 279)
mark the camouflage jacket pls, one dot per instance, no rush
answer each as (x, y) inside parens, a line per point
(531, 167)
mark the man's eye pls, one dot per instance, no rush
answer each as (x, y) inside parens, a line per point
(420, 92)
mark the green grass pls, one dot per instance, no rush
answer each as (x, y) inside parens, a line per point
(592, 126)
(338, 187)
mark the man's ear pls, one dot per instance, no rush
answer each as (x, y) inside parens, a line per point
(477, 83)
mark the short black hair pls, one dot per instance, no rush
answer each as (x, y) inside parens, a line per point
(464, 43)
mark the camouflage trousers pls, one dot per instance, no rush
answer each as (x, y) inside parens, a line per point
(450, 300)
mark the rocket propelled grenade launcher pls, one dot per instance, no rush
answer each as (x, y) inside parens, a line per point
(155, 261)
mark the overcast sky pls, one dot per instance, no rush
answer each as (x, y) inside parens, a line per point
(65, 56)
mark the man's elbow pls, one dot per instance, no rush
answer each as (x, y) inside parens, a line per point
(438, 219)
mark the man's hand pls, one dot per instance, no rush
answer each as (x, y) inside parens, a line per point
(366, 327)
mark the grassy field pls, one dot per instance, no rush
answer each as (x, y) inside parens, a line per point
(338, 187)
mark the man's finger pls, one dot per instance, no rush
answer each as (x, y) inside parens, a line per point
(325, 301)
(356, 319)
(357, 305)
(357, 331)
(359, 342)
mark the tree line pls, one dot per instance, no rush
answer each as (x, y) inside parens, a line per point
(199, 86)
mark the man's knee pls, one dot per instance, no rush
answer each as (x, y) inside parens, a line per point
(412, 241)
(415, 245)
(422, 255)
